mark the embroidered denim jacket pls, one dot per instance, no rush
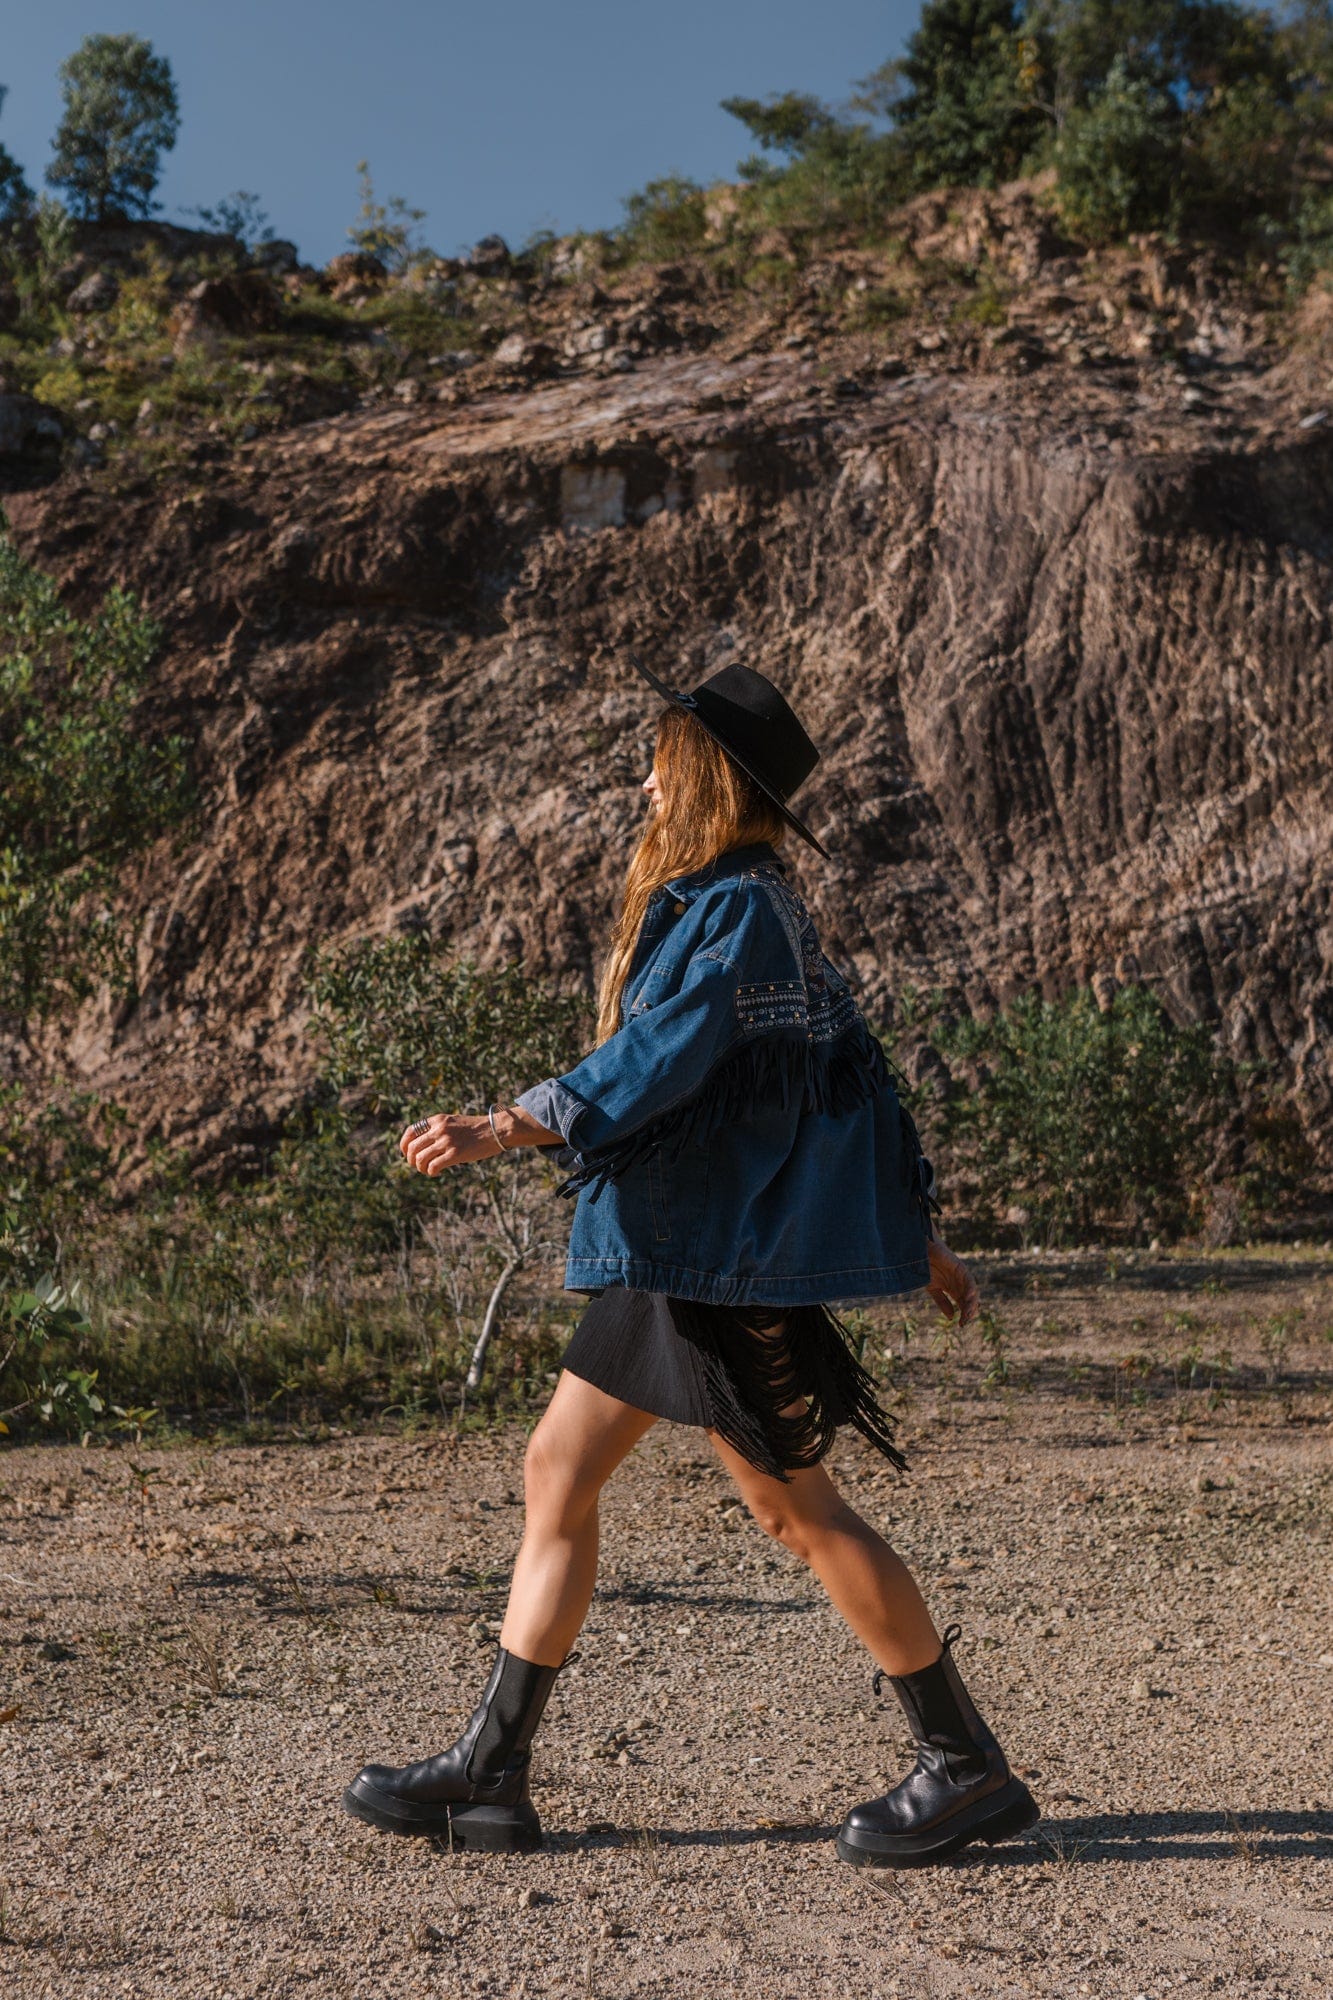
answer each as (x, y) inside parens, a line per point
(740, 1136)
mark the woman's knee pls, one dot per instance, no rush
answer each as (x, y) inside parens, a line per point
(558, 1482)
(799, 1517)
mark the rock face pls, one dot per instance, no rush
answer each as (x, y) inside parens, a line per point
(1066, 651)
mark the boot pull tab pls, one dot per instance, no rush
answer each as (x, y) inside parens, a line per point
(568, 1659)
(877, 1677)
(951, 1633)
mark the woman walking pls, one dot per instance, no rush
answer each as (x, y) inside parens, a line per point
(740, 1159)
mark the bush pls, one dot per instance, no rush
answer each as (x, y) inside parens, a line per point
(1078, 1117)
(665, 219)
(337, 1276)
(387, 230)
(968, 115)
(80, 787)
(1119, 159)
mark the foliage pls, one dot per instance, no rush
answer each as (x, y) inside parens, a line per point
(120, 115)
(962, 97)
(16, 197)
(337, 1275)
(1119, 159)
(665, 219)
(1080, 1116)
(1309, 249)
(80, 787)
(386, 230)
(35, 277)
(837, 172)
(401, 1022)
(1153, 112)
(238, 215)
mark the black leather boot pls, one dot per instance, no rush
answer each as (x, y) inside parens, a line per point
(960, 1790)
(475, 1793)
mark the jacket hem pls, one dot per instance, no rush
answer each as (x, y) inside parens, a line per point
(585, 1274)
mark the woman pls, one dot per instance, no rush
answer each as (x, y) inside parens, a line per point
(739, 1157)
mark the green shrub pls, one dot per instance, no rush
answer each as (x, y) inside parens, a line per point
(665, 219)
(1308, 253)
(80, 786)
(1082, 1117)
(336, 1276)
(1119, 159)
(387, 230)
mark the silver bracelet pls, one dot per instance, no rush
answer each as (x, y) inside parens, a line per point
(490, 1114)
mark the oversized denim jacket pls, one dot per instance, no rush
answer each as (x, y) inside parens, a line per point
(740, 1136)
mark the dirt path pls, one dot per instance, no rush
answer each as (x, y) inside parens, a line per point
(187, 1683)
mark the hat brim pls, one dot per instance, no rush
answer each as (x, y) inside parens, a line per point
(687, 701)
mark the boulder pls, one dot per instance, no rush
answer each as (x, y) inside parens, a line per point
(354, 271)
(244, 302)
(95, 293)
(521, 355)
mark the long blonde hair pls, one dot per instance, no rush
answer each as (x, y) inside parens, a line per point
(706, 804)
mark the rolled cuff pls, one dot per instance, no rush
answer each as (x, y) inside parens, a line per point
(554, 1107)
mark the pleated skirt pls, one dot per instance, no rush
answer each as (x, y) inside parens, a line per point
(738, 1370)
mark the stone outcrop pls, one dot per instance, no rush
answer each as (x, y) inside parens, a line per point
(1064, 638)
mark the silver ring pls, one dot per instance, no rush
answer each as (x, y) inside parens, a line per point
(422, 1125)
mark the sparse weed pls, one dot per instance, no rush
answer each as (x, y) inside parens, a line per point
(203, 1640)
(647, 1844)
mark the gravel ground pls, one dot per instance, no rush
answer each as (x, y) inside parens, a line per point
(189, 1676)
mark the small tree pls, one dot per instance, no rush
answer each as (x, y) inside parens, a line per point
(407, 1032)
(966, 110)
(386, 230)
(80, 787)
(15, 194)
(237, 215)
(120, 115)
(1119, 158)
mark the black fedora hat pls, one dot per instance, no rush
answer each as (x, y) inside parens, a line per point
(756, 725)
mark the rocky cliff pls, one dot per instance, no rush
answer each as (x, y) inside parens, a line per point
(1060, 622)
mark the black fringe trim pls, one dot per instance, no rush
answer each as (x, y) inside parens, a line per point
(770, 1069)
(750, 1376)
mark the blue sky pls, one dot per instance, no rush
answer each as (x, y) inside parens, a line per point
(509, 116)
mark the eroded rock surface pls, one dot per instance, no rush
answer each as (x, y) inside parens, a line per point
(1063, 637)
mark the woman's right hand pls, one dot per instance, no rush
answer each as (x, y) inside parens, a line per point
(952, 1285)
(451, 1139)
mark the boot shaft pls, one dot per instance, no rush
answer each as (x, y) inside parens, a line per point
(499, 1732)
(941, 1713)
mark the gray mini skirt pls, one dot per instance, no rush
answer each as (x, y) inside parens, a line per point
(735, 1370)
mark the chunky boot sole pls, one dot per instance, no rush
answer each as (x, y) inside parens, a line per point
(1010, 1810)
(479, 1828)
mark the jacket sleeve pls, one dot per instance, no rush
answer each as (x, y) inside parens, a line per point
(659, 1056)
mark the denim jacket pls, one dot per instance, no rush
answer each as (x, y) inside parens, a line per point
(739, 1137)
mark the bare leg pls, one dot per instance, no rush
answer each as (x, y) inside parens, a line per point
(869, 1584)
(582, 1436)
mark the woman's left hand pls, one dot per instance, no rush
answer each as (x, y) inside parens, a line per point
(952, 1285)
(451, 1139)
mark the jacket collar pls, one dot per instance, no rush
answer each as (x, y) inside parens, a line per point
(731, 862)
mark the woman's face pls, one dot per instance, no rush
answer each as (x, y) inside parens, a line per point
(650, 787)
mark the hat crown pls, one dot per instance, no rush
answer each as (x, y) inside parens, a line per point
(756, 720)
(756, 724)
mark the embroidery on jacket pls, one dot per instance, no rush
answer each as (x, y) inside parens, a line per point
(807, 1040)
